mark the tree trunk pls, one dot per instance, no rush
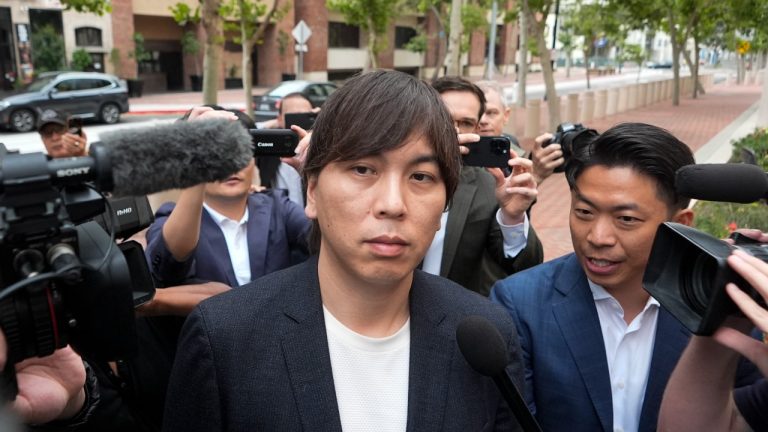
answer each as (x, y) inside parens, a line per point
(373, 61)
(248, 76)
(212, 23)
(676, 47)
(553, 103)
(440, 52)
(586, 65)
(454, 39)
(522, 56)
(568, 62)
(694, 68)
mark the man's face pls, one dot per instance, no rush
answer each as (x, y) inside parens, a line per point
(52, 134)
(378, 214)
(290, 106)
(236, 187)
(464, 107)
(495, 117)
(614, 216)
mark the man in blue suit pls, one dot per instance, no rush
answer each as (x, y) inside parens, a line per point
(597, 348)
(355, 338)
(221, 232)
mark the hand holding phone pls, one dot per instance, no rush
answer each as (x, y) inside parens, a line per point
(490, 152)
(304, 120)
(76, 126)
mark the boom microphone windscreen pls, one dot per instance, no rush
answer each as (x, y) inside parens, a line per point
(482, 346)
(736, 183)
(176, 155)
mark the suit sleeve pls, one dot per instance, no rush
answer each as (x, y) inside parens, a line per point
(500, 295)
(297, 225)
(193, 399)
(166, 270)
(531, 255)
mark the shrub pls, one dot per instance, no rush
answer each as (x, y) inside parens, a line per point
(719, 219)
(81, 60)
(47, 49)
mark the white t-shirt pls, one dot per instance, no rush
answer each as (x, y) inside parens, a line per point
(370, 376)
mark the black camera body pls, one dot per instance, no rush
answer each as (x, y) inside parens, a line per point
(63, 280)
(570, 136)
(492, 152)
(274, 142)
(687, 272)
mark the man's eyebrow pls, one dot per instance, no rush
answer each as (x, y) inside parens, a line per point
(423, 159)
(620, 207)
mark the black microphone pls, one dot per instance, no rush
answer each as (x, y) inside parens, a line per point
(484, 348)
(736, 183)
(176, 155)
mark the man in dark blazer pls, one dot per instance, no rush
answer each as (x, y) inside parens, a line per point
(598, 350)
(292, 350)
(477, 249)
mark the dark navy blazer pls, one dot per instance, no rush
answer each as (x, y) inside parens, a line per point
(566, 373)
(277, 233)
(257, 359)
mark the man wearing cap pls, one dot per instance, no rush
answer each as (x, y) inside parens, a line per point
(58, 138)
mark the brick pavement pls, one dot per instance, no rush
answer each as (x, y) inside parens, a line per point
(694, 122)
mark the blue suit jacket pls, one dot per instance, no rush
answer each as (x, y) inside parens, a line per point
(566, 370)
(276, 230)
(257, 359)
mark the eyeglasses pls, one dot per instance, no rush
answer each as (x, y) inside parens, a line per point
(48, 131)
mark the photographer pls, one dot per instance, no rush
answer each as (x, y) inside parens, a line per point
(700, 394)
(59, 139)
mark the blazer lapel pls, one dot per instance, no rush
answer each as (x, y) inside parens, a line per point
(671, 339)
(305, 347)
(430, 361)
(577, 317)
(215, 238)
(259, 220)
(457, 217)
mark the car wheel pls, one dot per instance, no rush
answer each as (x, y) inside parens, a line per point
(23, 120)
(109, 113)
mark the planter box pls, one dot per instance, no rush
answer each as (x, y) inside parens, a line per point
(196, 82)
(135, 87)
(233, 83)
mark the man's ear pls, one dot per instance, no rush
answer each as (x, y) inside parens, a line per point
(507, 112)
(684, 217)
(311, 209)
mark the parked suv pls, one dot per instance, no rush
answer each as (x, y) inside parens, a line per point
(80, 94)
(266, 105)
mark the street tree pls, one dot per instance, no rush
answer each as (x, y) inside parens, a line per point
(47, 49)
(249, 19)
(536, 12)
(374, 17)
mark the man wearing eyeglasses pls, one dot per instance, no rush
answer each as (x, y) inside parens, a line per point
(59, 139)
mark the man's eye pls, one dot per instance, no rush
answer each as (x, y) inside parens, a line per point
(362, 170)
(423, 177)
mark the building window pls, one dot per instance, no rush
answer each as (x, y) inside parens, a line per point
(403, 35)
(342, 35)
(88, 37)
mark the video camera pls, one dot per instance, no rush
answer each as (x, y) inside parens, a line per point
(687, 269)
(63, 280)
(570, 136)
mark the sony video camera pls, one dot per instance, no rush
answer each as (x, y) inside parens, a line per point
(570, 136)
(63, 279)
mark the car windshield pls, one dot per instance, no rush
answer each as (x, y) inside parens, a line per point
(39, 83)
(287, 87)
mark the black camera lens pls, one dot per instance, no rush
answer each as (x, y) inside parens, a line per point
(696, 284)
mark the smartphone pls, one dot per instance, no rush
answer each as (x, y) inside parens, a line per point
(303, 120)
(76, 126)
(274, 142)
(491, 152)
(141, 278)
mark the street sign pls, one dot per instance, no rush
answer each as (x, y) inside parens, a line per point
(301, 32)
(300, 47)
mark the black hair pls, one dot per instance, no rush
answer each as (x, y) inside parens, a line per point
(244, 118)
(376, 112)
(459, 84)
(648, 149)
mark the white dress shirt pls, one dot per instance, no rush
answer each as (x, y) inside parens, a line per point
(236, 236)
(628, 349)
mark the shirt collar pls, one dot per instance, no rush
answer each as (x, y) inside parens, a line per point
(599, 293)
(220, 218)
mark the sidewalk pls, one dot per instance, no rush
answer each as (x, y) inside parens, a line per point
(695, 122)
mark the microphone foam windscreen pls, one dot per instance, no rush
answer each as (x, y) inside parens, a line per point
(176, 155)
(736, 183)
(482, 345)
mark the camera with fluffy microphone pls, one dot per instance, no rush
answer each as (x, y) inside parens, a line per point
(484, 348)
